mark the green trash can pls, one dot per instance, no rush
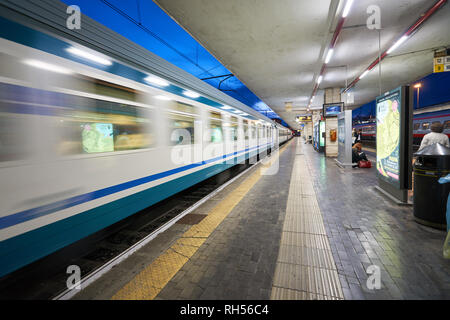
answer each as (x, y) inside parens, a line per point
(430, 197)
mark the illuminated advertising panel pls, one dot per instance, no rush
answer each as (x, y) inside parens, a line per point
(388, 136)
(322, 136)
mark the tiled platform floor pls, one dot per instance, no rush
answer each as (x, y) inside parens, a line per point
(238, 260)
(365, 228)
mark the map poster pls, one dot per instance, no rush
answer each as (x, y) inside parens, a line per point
(389, 137)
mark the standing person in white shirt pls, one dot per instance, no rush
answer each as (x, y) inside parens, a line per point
(435, 136)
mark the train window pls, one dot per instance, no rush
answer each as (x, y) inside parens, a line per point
(253, 129)
(246, 130)
(181, 129)
(113, 90)
(183, 107)
(216, 115)
(416, 126)
(425, 126)
(234, 128)
(215, 127)
(447, 125)
(96, 86)
(96, 126)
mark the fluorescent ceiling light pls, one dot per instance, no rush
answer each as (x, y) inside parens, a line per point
(191, 94)
(319, 80)
(329, 55)
(364, 74)
(158, 81)
(347, 8)
(160, 97)
(226, 107)
(397, 44)
(89, 56)
(47, 66)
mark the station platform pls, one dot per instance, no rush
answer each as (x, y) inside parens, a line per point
(308, 231)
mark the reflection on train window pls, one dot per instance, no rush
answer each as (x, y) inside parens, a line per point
(425, 126)
(416, 126)
(447, 125)
(181, 128)
(102, 126)
(75, 124)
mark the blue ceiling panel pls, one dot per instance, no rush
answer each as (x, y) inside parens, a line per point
(144, 23)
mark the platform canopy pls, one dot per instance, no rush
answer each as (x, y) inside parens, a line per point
(278, 48)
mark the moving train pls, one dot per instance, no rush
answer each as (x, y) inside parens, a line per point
(422, 120)
(90, 136)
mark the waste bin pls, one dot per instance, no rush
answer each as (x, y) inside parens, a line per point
(430, 197)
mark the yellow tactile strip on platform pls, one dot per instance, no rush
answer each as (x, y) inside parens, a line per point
(305, 266)
(148, 283)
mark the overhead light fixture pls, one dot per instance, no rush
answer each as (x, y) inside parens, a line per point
(397, 44)
(364, 74)
(226, 107)
(319, 80)
(329, 55)
(418, 85)
(90, 56)
(191, 94)
(47, 66)
(157, 81)
(347, 8)
(160, 97)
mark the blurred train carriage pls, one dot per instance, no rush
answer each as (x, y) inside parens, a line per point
(89, 137)
(422, 121)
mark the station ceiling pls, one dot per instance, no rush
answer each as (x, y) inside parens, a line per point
(277, 48)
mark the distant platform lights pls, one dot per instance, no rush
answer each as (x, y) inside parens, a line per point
(397, 44)
(329, 55)
(348, 6)
(319, 80)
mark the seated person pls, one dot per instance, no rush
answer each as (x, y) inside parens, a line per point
(357, 154)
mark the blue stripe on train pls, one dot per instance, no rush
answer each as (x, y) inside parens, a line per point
(23, 249)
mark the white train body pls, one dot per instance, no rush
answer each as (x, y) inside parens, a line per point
(83, 147)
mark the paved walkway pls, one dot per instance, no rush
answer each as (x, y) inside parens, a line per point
(310, 231)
